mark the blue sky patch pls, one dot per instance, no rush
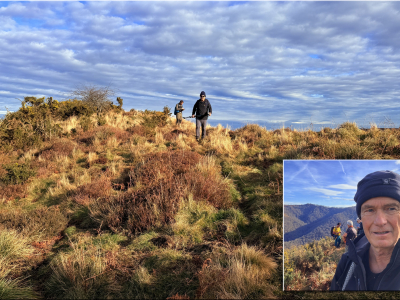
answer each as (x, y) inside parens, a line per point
(328, 182)
(315, 56)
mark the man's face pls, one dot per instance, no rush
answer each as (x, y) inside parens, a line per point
(202, 97)
(381, 221)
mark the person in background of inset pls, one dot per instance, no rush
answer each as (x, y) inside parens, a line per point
(179, 109)
(350, 233)
(360, 229)
(337, 231)
(201, 110)
(373, 265)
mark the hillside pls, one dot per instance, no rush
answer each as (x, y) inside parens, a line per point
(124, 204)
(117, 204)
(305, 223)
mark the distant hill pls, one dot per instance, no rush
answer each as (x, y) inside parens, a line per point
(308, 222)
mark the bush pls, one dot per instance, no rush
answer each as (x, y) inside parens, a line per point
(17, 173)
(62, 146)
(158, 185)
(43, 222)
(86, 123)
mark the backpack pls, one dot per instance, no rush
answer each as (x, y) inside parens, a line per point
(175, 111)
(332, 231)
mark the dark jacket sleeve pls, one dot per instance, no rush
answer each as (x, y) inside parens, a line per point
(209, 107)
(337, 281)
(194, 108)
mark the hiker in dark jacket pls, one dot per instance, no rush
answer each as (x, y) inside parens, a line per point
(201, 110)
(372, 262)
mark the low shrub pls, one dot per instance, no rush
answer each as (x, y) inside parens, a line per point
(17, 173)
(158, 185)
(40, 223)
(98, 188)
(59, 147)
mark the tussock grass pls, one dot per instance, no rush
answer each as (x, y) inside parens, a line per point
(80, 274)
(15, 289)
(14, 248)
(240, 274)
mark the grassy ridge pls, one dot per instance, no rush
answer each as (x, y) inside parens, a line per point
(127, 205)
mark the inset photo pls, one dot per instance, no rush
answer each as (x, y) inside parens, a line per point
(341, 225)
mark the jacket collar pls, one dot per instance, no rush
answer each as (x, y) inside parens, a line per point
(359, 249)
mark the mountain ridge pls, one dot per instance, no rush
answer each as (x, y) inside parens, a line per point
(308, 222)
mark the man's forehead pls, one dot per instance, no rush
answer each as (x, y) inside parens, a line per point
(380, 201)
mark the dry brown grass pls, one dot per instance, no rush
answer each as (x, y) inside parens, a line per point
(240, 274)
(159, 184)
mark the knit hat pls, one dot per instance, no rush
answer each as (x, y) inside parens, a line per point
(202, 93)
(350, 222)
(377, 184)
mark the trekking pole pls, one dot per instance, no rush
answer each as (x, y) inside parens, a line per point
(188, 117)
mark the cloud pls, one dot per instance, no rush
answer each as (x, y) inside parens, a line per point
(326, 192)
(254, 60)
(343, 187)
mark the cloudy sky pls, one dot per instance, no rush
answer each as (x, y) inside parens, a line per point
(291, 63)
(328, 182)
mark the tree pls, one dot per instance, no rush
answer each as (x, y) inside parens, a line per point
(97, 98)
(120, 102)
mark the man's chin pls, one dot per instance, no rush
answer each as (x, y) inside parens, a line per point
(383, 243)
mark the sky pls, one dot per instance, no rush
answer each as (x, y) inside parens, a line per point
(330, 183)
(271, 63)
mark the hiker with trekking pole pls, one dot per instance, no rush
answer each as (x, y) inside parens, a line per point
(201, 110)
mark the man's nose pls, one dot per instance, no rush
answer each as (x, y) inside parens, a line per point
(380, 218)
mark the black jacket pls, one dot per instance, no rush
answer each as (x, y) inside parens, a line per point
(201, 109)
(352, 268)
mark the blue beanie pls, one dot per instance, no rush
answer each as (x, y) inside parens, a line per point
(202, 93)
(377, 184)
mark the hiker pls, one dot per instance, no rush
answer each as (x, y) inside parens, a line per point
(178, 112)
(360, 229)
(350, 234)
(333, 235)
(374, 265)
(337, 231)
(201, 110)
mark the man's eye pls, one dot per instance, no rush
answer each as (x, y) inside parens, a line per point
(393, 209)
